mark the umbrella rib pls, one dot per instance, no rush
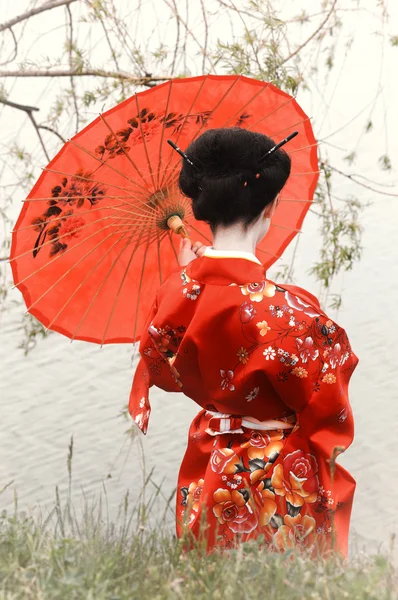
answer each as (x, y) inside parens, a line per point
(58, 256)
(172, 152)
(199, 232)
(159, 262)
(304, 173)
(140, 289)
(104, 183)
(264, 87)
(266, 252)
(101, 285)
(87, 196)
(290, 127)
(106, 164)
(144, 142)
(66, 272)
(120, 288)
(172, 245)
(212, 112)
(91, 210)
(304, 148)
(272, 113)
(127, 155)
(284, 227)
(89, 273)
(163, 130)
(56, 239)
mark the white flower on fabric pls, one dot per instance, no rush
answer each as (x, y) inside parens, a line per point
(253, 394)
(279, 313)
(330, 501)
(292, 322)
(271, 307)
(325, 367)
(142, 402)
(280, 351)
(269, 353)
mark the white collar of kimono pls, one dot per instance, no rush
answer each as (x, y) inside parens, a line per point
(212, 253)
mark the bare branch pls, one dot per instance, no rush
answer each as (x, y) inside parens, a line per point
(317, 30)
(354, 179)
(144, 80)
(63, 140)
(72, 80)
(35, 11)
(29, 110)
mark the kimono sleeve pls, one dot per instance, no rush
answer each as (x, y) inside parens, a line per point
(155, 367)
(309, 362)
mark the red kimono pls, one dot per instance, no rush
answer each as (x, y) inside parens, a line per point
(270, 371)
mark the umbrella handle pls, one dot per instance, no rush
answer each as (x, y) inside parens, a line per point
(177, 226)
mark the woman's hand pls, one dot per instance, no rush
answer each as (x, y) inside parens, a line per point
(189, 251)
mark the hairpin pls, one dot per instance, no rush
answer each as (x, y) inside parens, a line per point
(277, 146)
(182, 153)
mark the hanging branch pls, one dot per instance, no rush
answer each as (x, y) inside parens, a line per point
(34, 11)
(29, 110)
(144, 80)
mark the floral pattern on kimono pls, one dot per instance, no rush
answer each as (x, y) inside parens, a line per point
(247, 348)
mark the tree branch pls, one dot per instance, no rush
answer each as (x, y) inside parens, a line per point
(307, 41)
(354, 179)
(29, 110)
(35, 11)
(145, 80)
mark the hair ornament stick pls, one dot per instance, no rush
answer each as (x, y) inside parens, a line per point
(277, 146)
(182, 153)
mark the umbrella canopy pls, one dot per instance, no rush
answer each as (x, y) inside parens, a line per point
(92, 243)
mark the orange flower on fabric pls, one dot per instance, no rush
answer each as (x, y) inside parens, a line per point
(194, 493)
(296, 479)
(257, 291)
(243, 355)
(261, 459)
(263, 327)
(296, 530)
(329, 378)
(224, 460)
(265, 500)
(231, 508)
(300, 372)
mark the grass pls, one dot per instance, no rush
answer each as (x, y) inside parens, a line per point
(66, 556)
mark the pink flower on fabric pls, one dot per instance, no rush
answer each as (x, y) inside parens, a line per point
(306, 349)
(226, 382)
(335, 356)
(298, 304)
(246, 312)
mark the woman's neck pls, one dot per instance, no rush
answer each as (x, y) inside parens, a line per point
(235, 237)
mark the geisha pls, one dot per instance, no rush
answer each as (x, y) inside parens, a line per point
(269, 369)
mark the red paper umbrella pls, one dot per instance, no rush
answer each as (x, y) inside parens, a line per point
(93, 241)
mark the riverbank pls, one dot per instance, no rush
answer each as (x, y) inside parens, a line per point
(68, 556)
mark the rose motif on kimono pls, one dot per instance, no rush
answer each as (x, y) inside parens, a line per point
(257, 291)
(246, 312)
(306, 349)
(224, 460)
(298, 530)
(296, 479)
(261, 459)
(226, 381)
(265, 501)
(232, 509)
(297, 304)
(194, 494)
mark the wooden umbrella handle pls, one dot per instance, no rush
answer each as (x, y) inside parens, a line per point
(176, 225)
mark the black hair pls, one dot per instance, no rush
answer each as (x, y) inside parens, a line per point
(228, 182)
